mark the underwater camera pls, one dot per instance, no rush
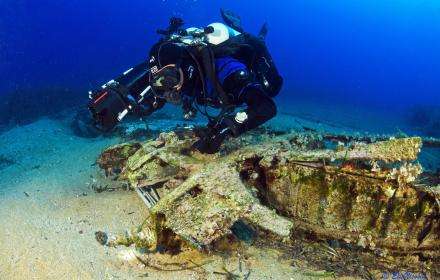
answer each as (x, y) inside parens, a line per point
(117, 98)
(108, 108)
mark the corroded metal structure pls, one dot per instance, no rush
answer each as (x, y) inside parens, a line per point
(363, 194)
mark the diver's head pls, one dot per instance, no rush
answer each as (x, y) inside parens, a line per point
(167, 83)
(172, 71)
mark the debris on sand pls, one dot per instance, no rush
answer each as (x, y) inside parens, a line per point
(6, 162)
(364, 194)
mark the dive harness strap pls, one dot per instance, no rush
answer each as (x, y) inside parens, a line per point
(209, 69)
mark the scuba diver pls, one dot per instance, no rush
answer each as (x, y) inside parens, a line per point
(220, 66)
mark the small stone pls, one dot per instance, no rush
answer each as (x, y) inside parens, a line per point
(101, 237)
(362, 242)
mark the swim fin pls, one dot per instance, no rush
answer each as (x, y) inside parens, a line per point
(263, 31)
(232, 20)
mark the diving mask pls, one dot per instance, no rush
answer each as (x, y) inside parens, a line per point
(168, 82)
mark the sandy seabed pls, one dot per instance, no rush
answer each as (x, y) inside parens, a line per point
(49, 215)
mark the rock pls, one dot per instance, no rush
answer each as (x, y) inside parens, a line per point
(101, 237)
(114, 159)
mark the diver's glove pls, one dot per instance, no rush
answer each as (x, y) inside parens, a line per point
(189, 112)
(190, 115)
(212, 137)
(211, 140)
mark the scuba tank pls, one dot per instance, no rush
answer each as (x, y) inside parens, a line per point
(249, 49)
(195, 51)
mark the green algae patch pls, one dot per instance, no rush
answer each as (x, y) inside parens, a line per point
(394, 150)
(114, 159)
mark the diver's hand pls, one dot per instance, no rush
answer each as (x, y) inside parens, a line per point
(210, 144)
(190, 115)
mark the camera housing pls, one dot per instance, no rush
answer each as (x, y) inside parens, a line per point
(107, 106)
(119, 97)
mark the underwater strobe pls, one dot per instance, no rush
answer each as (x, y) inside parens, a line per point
(132, 91)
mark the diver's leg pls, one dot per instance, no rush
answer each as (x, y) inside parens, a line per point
(259, 106)
(260, 109)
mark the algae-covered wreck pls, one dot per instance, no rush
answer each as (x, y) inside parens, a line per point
(368, 195)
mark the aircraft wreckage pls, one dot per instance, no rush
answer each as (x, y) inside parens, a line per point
(372, 195)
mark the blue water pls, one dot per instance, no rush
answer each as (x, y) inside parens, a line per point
(348, 66)
(368, 56)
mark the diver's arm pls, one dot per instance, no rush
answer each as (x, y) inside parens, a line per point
(148, 106)
(259, 109)
(259, 106)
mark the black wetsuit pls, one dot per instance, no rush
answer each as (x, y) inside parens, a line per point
(242, 86)
(246, 90)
